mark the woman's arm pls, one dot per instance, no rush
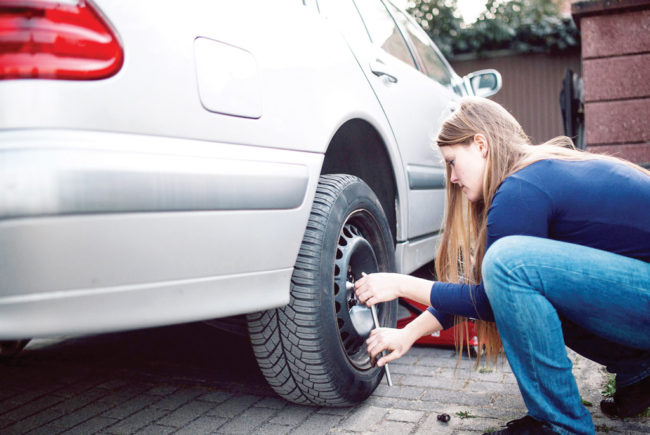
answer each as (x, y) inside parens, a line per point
(381, 287)
(446, 298)
(399, 341)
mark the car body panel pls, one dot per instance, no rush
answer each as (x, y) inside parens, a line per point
(179, 189)
(107, 221)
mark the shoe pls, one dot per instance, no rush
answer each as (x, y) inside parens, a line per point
(628, 401)
(524, 426)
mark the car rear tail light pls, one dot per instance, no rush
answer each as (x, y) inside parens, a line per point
(64, 39)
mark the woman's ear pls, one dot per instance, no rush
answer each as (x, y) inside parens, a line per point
(482, 143)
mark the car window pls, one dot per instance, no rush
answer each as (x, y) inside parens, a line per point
(435, 66)
(382, 29)
(346, 17)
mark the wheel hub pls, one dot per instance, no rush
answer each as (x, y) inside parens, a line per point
(354, 255)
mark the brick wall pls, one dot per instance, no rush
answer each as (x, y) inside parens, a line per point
(616, 73)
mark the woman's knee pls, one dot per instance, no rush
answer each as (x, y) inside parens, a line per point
(503, 256)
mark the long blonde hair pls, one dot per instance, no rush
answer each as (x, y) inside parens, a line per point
(462, 247)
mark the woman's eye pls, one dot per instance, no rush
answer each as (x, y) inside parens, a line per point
(451, 163)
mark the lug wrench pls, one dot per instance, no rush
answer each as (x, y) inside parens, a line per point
(375, 321)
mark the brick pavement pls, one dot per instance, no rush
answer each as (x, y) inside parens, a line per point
(192, 379)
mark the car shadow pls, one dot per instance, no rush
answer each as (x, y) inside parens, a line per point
(188, 354)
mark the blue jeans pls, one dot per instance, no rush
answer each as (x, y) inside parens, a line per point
(546, 294)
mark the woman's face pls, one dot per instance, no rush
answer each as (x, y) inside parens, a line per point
(467, 164)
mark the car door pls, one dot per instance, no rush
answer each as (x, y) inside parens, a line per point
(413, 102)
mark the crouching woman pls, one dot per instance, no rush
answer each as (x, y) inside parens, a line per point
(545, 246)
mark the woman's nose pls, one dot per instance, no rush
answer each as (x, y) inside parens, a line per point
(452, 177)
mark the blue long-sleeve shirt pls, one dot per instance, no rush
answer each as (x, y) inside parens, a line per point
(596, 203)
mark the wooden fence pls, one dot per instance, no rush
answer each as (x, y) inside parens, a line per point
(531, 87)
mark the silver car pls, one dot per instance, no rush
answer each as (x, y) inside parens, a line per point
(166, 162)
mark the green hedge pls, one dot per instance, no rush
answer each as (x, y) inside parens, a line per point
(518, 25)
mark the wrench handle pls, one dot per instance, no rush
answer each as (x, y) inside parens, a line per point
(375, 320)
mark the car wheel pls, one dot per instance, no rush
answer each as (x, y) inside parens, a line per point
(312, 351)
(11, 348)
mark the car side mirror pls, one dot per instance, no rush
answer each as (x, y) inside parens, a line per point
(483, 83)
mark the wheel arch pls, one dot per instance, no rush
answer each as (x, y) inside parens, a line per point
(358, 149)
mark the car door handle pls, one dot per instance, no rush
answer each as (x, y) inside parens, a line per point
(378, 68)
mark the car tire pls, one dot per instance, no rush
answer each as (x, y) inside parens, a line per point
(312, 351)
(11, 348)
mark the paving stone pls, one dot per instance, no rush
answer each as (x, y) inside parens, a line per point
(489, 376)
(22, 398)
(497, 412)
(272, 402)
(8, 393)
(432, 426)
(162, 390)
(179, 398)
(405, 360)
(405, 415)
(203, 424)
(447, 360)
(414, 370)
(215, 396)
(186, 414)
(131, 406)
(479, 424)
(433, 382)
(82, 414)
(137, 421)
(363, 419)
(292, 415)
(4, 422)
(511, 401)
(399, 391)
(92, 425)
(122, 396)
(247, 422)
(32, 407)
(73, 403)
(234, 406)
(12, 431)
(384, 402)
(429, 352)
(337, 411)
(78, 388)
(317, 424)
(409, 405)
(396, 427)
(458, 397)
(494, 387)
(157, 429)
(50, 397)
(273, 429)
(27, 424)
(457, 374)
(113, 384)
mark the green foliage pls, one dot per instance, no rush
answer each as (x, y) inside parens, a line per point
(518, 25)
(610, 387)
(441, 21)
(603, 428)
(465, 414)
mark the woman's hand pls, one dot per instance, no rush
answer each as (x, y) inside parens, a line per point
(378, 287)
(396, 341)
